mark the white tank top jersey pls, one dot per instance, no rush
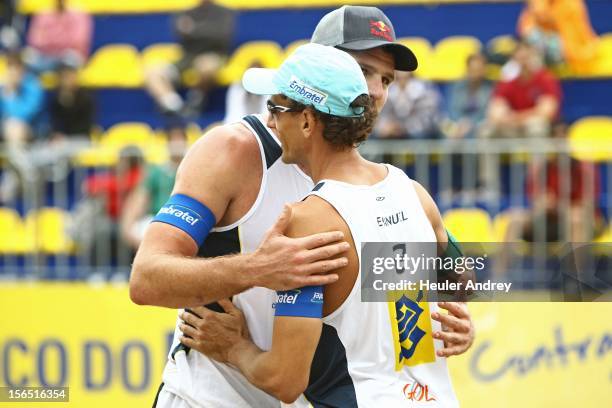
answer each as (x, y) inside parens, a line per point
(371, 367)
(200, 381)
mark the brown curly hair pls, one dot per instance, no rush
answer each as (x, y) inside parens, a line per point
(345, 132)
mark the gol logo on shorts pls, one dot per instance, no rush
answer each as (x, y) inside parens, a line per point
(417, 392)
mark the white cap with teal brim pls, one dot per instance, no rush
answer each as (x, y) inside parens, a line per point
(324, 77)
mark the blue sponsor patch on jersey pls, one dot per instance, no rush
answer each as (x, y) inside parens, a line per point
(188, 215)
(408, 314)
(303, 302)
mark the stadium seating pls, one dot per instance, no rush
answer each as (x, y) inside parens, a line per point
(12, 232)
(501, 222)
(444, 62)
(106, 147)
(121, 65)
(124, 134)
(112, 6)
(156, 54)
(603, 65)
(266, 53)
(116, 65)
(469, 224)
(43, 230)
(590, 139)
(422, 49)
(48, 227)
(107, 150)
(502, 45)
(96, 157)
(449, 57)
(139, 135)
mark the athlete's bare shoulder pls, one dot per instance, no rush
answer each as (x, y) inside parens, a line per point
(314, 215)
(232, 142)
(219, 166)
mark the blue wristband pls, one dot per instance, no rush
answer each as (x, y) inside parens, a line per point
(188, 215)
(303, 302)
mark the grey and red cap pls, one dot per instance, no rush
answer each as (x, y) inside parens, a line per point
(360, 28)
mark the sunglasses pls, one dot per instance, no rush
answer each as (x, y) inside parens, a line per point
(274, 109)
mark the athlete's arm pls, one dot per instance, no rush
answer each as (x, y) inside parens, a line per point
(457, 326)
(284, 370)
(219, 168)
(298, 313)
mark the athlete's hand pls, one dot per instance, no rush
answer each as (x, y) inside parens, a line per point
(457, 328)
(212, 333)
(283, 263)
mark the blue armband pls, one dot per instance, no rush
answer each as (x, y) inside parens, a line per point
(303, 302)
(188, 215)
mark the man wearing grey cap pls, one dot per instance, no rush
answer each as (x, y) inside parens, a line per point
(355, 28)
(330, 348)
(244, 185)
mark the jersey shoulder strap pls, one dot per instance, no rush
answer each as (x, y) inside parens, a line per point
(271, 148)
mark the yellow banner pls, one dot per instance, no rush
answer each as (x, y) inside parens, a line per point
(159, 6)
(111, 352)
(537, 355)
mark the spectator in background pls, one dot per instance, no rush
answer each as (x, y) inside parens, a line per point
(205, 34)
(468, 100)
(21, 103)
(71, 107)
(412, 110)
(21, 106)
(11, 26)
(59, 36)
(467, 105)
(561, 30)
(562, 193)
(114, 185)
(239, 102)
(71, 110)
(527, 105)
(153, 192)
(95, 223)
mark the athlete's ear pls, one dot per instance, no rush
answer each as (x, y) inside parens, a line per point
(309, 121)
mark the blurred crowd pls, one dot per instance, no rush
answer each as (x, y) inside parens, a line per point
(523, 105)
(42, 130)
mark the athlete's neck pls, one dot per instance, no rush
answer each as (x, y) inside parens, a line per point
(344, 165)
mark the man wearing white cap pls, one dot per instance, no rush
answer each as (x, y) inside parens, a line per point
(240, 190)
